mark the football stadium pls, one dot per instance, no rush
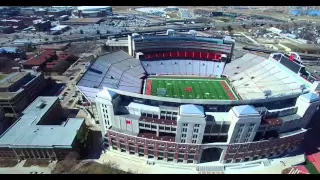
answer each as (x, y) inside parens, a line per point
(184, 98)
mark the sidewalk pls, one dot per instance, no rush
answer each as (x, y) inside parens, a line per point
(138, 164)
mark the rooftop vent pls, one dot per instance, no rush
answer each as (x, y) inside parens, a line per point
(41, 105)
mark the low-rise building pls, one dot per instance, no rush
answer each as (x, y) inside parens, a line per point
(18, 90)
(12, 52)
(59, 29)
(116, 45)
(40, 59)
(6, 29)
(42, 25)
(42, 132)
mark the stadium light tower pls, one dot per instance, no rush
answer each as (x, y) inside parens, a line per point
(267, 93)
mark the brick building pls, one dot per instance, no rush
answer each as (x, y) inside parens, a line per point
(43, 132)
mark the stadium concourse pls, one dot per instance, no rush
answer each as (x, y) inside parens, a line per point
(190, 88)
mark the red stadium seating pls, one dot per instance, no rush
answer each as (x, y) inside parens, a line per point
(185, 54)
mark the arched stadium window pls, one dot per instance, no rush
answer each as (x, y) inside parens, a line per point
(189, 63)
(161, 63)
(217, 66)
(203, 64)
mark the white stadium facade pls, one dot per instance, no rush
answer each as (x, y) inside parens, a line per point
(269, 119)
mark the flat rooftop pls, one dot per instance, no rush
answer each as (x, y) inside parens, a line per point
(7, 80)
(26, 132)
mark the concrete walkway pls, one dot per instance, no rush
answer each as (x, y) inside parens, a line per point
(19, 169)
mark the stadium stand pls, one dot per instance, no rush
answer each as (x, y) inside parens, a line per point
(115, 70)
(252, 75)
(184, 67)
(184, 54)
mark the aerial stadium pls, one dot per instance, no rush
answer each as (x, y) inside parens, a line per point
(183, 98)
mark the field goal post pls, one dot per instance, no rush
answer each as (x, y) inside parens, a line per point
(161, 91)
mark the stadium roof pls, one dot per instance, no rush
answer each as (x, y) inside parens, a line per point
(191, 109)
(116, 70)
(26, 131)
(244, 110)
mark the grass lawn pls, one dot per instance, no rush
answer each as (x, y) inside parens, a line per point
(190, 88)
(36, 162)
(97, 168)
(311, 167)
(8, 163)
(2, 76)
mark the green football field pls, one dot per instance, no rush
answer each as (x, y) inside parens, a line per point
(190, 88)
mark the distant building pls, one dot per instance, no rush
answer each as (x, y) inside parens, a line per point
(21, 42)
(42, 132)
(61, 64)
(116, 45)
(275, 30)
(12, 52)
(27, 11)
(18, 90)
(59, 29)
(42, 25)
(92, 11)
(40, 59)
(16, 24)
(292, 36)
(6, 29)
(41, 12)
(57, 12)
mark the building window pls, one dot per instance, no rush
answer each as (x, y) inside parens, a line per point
(153, 127)
(238, 136)
(229, 161)
(250, 130)
(195, 136)
(185, 125)
(248, 135)
(251, 125)
(194, 141)
(141, 124)
(173, 129)
(197, 125)
(236, 141)
(183, 135)
(246, 140)
(167, 128)
(241, 125)
(238, 160)
(161, 127)
(184, 129)
(196, 130)
(147, 125)
(240, 130)
(183, 141)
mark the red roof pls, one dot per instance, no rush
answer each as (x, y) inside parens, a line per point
(64, 56)
(40, 59)
(302, 169)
